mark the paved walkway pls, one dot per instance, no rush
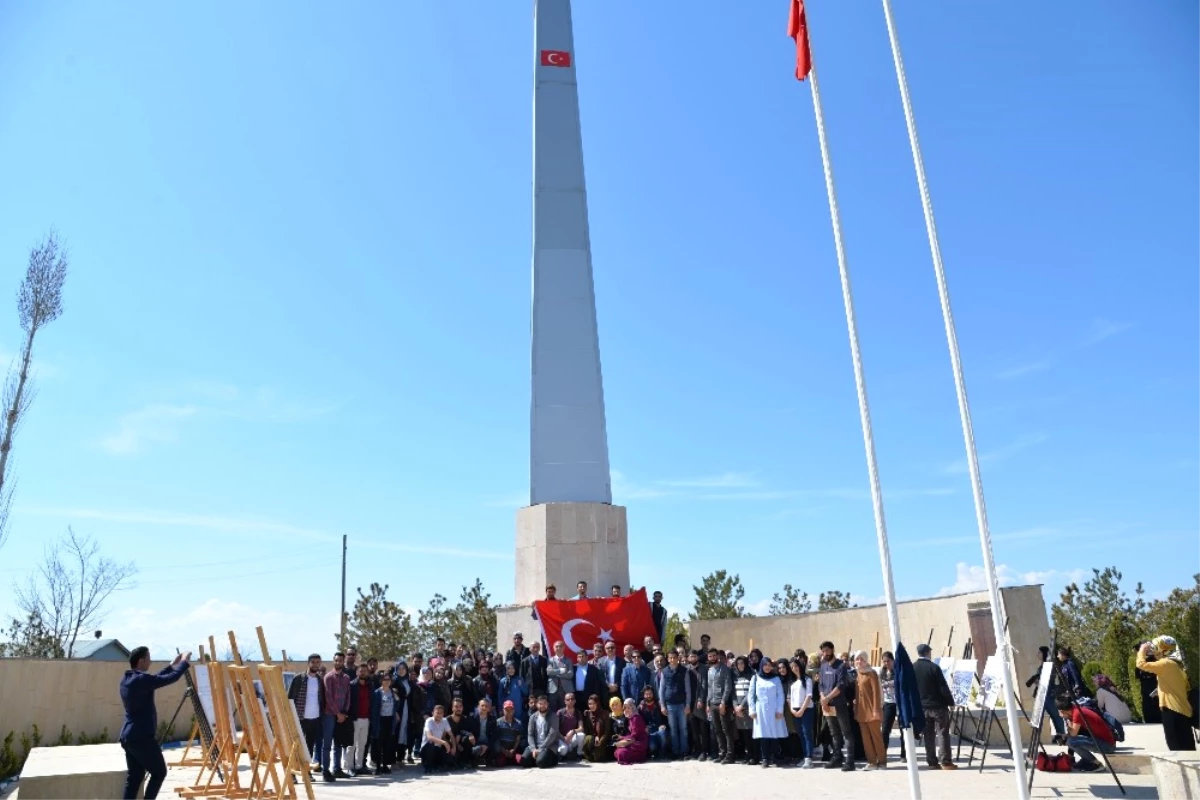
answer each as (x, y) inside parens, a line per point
(683, 779)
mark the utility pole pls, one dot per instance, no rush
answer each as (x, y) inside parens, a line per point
(342, 640)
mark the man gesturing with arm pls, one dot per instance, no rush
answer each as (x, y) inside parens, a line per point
(142, 754)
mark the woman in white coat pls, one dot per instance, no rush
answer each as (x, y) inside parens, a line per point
(767, 704)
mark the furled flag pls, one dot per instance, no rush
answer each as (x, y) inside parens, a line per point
(798, 30)
(579, 624)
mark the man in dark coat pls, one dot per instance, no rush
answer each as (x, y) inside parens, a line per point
(936, 700)
(588, 680)
(138, 734)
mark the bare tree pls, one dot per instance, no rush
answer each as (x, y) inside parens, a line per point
(39, 302)
(70, 587)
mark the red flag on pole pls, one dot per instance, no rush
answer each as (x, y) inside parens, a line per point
(579, 624)
(798, 30)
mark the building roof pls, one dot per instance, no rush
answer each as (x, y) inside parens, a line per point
(90, 647)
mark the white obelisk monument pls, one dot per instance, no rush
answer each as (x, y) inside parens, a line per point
(570, 531)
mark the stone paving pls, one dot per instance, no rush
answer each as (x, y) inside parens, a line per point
(682, 779)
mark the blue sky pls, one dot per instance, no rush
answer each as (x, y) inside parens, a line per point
(299, 298)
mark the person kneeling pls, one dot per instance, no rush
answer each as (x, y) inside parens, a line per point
(543, 737)
(438, 748)
(1086, 731)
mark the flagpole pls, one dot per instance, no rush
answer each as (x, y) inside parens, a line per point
(864, 412)
(1004, 648)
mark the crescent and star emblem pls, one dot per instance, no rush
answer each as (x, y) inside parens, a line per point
(555, 59)
(566, 634)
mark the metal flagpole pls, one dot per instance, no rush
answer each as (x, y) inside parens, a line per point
(864, 411)
(1004, 649)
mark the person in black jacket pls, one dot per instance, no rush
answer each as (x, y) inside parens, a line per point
(142, 753)
(936, 700)
(533, 671)
(588, 680)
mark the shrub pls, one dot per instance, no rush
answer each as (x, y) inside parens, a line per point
(1134, 698)
(10, 763)
(64, 738)
(1090, 670)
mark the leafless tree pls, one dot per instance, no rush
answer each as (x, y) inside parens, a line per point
(39, 302)
(70, 587)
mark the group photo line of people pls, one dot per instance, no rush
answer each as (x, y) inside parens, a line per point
(463, 708)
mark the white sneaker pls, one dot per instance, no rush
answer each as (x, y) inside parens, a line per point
(868, 767)
(807, 764)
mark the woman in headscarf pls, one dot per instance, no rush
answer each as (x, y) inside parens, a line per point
(765, 703)
(789, 750)
(1147, 688)
(800, 706)
(868, 711)
(634, 745)
(462, 687)
(616, 712)
(407, 731)
(742, 674)
(426, 696)
(511, 687)
(1109, 699)
(1173, 689)
(597, 731)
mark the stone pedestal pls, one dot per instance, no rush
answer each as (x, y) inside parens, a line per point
(564, 543)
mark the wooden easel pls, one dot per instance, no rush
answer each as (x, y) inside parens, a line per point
(290, 747)
(876, 659)
(220, 779)
(261, 742)
(288, 737)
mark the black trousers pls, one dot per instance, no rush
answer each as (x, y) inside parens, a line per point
(313, 736)
(433, 756)
(890, 713)
(547, 758)
(722, 726)
(143, 757)
(383, 746)
(1178, 730)
(769, 749)
(841, 728)
(698, 734)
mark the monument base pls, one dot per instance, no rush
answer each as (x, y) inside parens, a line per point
(564, 543)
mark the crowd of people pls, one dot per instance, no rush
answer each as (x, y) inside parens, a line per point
(457, 708)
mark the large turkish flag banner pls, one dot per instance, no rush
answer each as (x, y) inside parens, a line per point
(579, 624)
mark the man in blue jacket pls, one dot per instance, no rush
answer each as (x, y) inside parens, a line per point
(142, 753)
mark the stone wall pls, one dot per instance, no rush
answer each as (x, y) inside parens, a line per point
(780, 636)
(83, 695)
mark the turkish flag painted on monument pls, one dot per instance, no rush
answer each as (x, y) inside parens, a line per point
(798, 30)
(556, 58)
(579, 624)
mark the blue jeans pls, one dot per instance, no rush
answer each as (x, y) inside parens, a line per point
(328, 721)
(804, 725)
(677, 725)
(1055, 719)
(658, 742)
(1084, 745)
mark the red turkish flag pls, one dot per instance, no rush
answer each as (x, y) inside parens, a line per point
(579, 624)
(556, 58)
(798, 30)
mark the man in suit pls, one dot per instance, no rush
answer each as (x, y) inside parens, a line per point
(560, 676)
(533, 671)
(936, 700)
(588, 680)
(138, 735)
(612, 667)
(636, 676)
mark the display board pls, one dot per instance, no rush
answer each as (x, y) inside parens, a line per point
(963, 680)
(1043, 689)
(993, 691)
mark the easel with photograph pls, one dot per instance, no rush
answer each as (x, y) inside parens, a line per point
(220, 778)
